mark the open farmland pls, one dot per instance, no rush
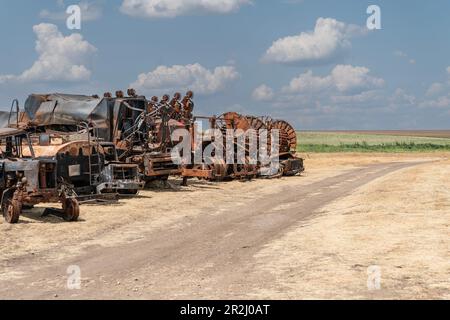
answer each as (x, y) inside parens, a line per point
(373, 141)
(305, 237)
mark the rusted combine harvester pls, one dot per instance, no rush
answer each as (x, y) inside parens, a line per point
(122, 122)
(289, 163)
(27, 179)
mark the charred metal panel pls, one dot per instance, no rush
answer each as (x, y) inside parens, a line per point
(4, 118)
(30, 169)
(68, 167)
(61, 109)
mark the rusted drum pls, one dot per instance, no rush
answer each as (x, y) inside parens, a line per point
(232, 120)
(288, 135)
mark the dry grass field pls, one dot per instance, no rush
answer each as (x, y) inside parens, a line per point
(313, 236)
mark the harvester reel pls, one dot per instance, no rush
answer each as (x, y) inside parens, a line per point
(286, 132)
(256, 123)
(267, 120)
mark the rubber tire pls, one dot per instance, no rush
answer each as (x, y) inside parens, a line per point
(11, 211)
(71, 209)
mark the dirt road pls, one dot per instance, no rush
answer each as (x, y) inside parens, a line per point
(210, 254)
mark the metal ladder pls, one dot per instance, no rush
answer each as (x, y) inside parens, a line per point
(15, 103)
(94, 156)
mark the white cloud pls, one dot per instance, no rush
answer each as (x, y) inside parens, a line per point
(329, 41)
(174, 8)
(343, 79)
(307, 82)
(6, 78)
(401, 99)
(448, 70)
(359, 98)
(60, 58)
(435, 89)
(348, 79)
(190, 77)
(263, 93)
(90, 11)
(401, 54)
(441, 102)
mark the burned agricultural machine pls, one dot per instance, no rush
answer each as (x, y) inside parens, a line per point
(121, 123)
(217, 168)
(87, 164)
(290, 164)
(66, 147)
(27, 179)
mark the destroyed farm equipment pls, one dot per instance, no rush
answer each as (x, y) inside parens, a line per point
(216, 168)
(90, 166)
(27, 180)
(123, 121)
(289, 163)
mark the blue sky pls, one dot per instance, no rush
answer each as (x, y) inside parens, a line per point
(313, 63)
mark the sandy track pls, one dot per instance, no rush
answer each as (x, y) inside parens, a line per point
(399, 223)
(210, 255)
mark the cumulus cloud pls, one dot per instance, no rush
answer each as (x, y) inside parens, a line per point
(263, 93)
(189, 77)
(328, 42)
(60, 58)
(343, 79)
(174, 8)
(448, 70)
(90, 11)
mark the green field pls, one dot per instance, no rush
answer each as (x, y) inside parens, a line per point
(370, 142)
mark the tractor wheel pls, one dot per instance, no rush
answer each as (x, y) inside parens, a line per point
(12, 210)
(71, 209)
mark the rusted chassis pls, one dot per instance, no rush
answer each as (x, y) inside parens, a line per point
(155, 166)
(36, 183)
